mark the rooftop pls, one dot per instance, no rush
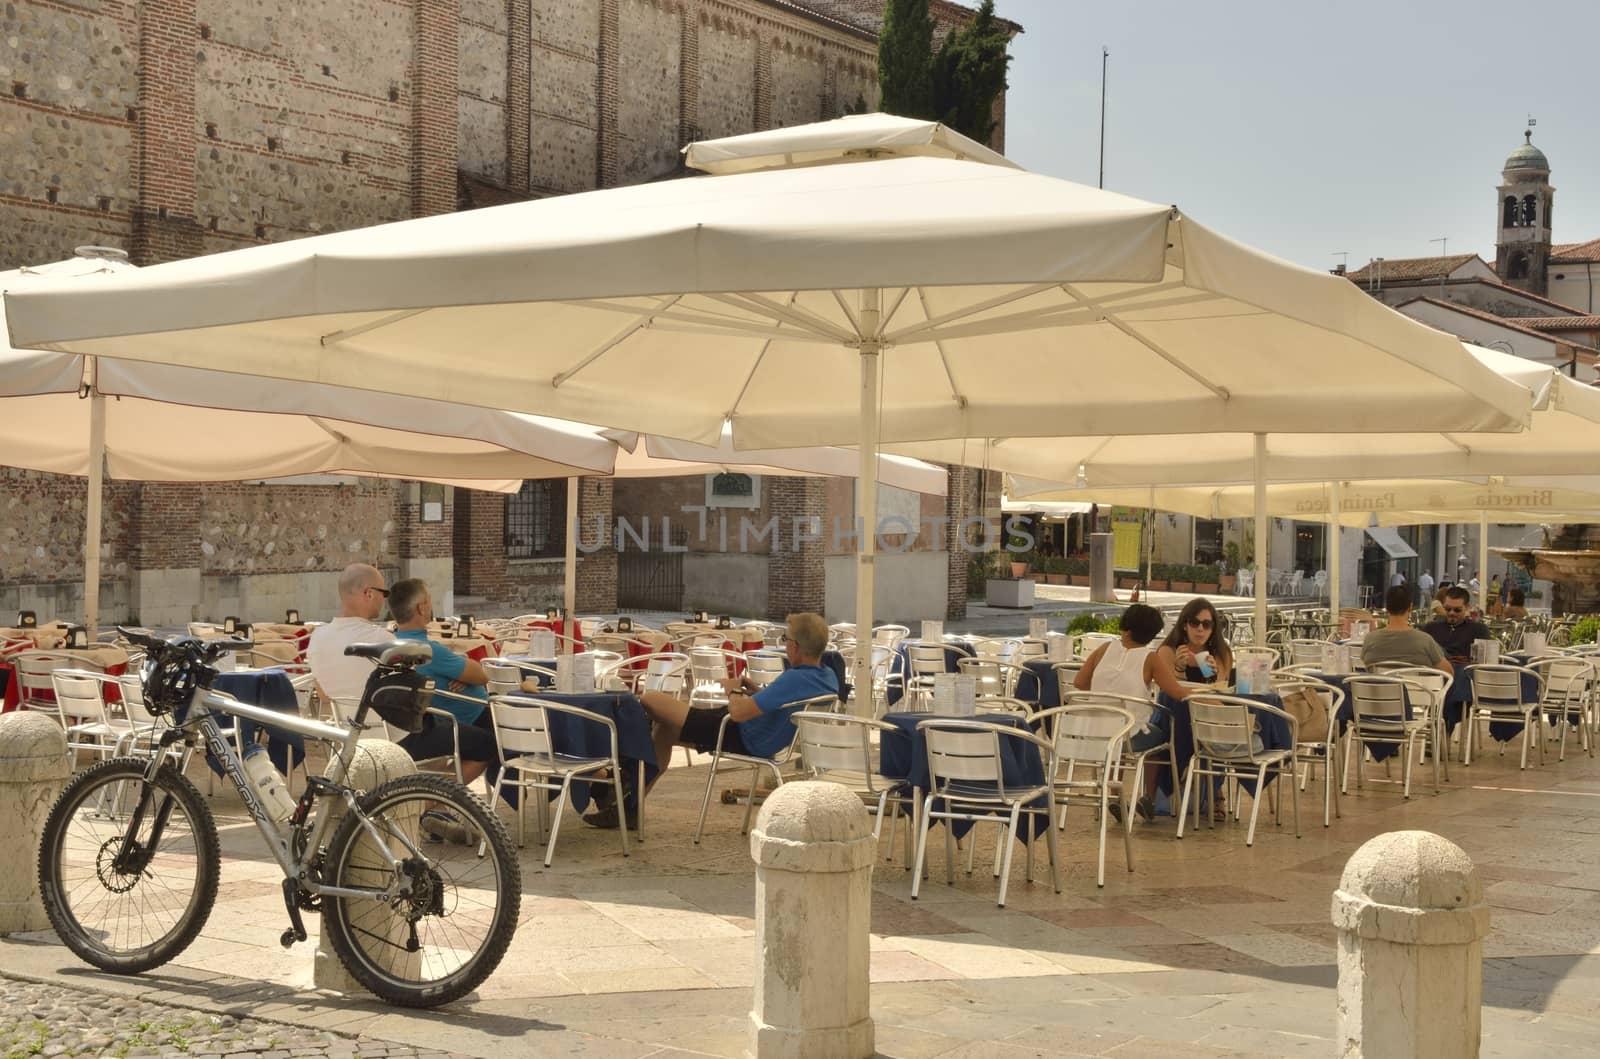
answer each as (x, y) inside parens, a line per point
(1585, 353)
(1564, 253)
(1401, 269)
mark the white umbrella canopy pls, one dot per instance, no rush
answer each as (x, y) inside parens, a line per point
(900, 299)
(852, 138)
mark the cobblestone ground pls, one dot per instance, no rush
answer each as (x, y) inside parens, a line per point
(50, 1021)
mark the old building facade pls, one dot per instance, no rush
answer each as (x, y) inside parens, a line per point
(174, 128)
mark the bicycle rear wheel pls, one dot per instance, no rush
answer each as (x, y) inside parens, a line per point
(448, 932)
(128, 869)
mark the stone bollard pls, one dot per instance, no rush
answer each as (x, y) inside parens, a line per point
(1411, 919)
(814, 851)
(375, 761)
(34, 767)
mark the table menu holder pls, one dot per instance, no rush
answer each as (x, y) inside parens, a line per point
(944, 693)
(27, 619)
(1058, 647)
(1535, 643)
(966, 695)
(1038, 627)
(932, 631)
(291, 617)
(1485, 652)
(564, 674)
(77, 636)
(582, 673)
(541, 644)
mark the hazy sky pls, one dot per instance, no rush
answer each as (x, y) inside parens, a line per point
(1305, 128)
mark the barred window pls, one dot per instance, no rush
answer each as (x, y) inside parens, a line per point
(536, 520)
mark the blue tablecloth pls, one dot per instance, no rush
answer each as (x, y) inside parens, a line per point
(901, 664)
(1274, 731)
(1040, 684)
(903, 756)
(582, 737)
(272, 689)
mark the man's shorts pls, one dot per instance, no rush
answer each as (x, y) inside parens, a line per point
(700, 731)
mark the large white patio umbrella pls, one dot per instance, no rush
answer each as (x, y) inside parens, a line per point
(898, 299)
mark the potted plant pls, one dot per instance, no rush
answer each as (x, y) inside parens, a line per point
(1055, 571)
(1206, 579)
(1077, 569)
(1181, 578)
(1158, 577)
(1127, 580)
(1229, 565)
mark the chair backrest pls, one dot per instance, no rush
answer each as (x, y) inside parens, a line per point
(997, 647)
(1222, 726)
(33, 668)
(134, 706)
(78, 696)
(889, 635)
(1498, 686)
(1028, 650)
(665, 672)
(1089, 727)
(1066, 672)
(995, 680)
(837, 743)
(708, 665)
(844, 630)
(1378, 700)
(504, 678)
(1566, 680)
(271, 652)
(1259, 651)
(958, 751)
(763, 667)
(1305, 651)
(520, 725)
(1089, 642)
(925, 659)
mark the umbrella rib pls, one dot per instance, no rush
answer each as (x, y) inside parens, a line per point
(616, 340)
(1153, 346)
(789, 314)
(949, 373)
(1465, 449)
(750, 377)
(969, 310)
(899, 300)
(1035, 319)
(335, 337)
(849, 313)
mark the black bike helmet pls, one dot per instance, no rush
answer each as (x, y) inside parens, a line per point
(171, 676)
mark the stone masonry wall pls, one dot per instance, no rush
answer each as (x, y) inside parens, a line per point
(796, 575)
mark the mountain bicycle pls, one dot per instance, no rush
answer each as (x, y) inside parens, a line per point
(129, 863)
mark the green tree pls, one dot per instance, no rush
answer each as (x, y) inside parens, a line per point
(905, 59)
(970, 73)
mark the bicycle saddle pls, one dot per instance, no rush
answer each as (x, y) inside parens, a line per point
(393, 653)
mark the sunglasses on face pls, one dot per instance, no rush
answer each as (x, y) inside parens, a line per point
(1200, 623)
(384, 592)
(1455, 610)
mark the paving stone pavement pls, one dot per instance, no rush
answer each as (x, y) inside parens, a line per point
(50, 1020)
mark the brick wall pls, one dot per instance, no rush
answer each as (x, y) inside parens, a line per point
(597, 570)
(416, 539)
(958, 505)
(796, 578)
(480, 551)
(164, 227)
(435, 86)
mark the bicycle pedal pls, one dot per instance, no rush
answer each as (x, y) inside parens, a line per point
(288, 938)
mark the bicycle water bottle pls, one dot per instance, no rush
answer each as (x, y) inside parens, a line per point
(269, 784)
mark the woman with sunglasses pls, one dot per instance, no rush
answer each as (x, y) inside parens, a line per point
(1194, 641)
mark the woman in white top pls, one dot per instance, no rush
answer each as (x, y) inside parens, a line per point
(1130, 667)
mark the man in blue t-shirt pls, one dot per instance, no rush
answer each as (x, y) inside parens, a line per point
(411, 605)
(760, 724)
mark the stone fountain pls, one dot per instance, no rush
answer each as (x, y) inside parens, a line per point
(1571, 563)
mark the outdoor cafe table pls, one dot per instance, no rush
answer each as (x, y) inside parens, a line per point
(471, 646)
(900, 664)
(1040, 684)
(101, 657)
(903, 756)
(581, 737)
(1274, 732)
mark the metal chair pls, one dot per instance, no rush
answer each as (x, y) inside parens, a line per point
(966, 774)
(1262, 651)
(994, 679)
(772, 766)
(1568, 697)
(522, 732)
(923, 663)
(889, 635)
(81, 708)
(1223, 728)
(838, 748)
(1306, 651)
(763, 667)
(1090, 730)
(1378, 706)
(1497, 696)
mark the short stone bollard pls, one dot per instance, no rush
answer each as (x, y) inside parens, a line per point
(34, 767)
(814, 851)
(1411, 919)
(375, 762)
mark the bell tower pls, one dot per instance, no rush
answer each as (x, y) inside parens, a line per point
(1522, 245)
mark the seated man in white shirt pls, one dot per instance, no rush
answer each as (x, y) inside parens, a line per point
(361, 597)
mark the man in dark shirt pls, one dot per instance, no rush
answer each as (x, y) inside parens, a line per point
(1454, 632)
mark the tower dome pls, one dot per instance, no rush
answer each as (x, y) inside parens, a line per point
(1527, 158)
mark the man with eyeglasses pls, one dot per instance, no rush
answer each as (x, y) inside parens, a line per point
(361, 598)
(1455, 632)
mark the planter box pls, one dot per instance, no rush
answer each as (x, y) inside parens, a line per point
(1036, 578)
(1014, 592)
(1078, 580)
(1127, 582)
(1059, 579)
(1158, 586)
(1228, 582)
(1206, 588)
(1182, 586)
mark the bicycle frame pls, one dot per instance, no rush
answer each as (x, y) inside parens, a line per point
(204, 708)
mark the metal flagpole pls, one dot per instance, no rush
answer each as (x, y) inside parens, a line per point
(1105, 56)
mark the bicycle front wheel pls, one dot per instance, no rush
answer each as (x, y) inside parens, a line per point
(449, 924)
(128, 868)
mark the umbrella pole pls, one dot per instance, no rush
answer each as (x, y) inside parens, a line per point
(1260, 463)
(867, 507)
(1150, 541)
(569, 592)
(1483, 561)
(91, 527)
(1335, 532)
